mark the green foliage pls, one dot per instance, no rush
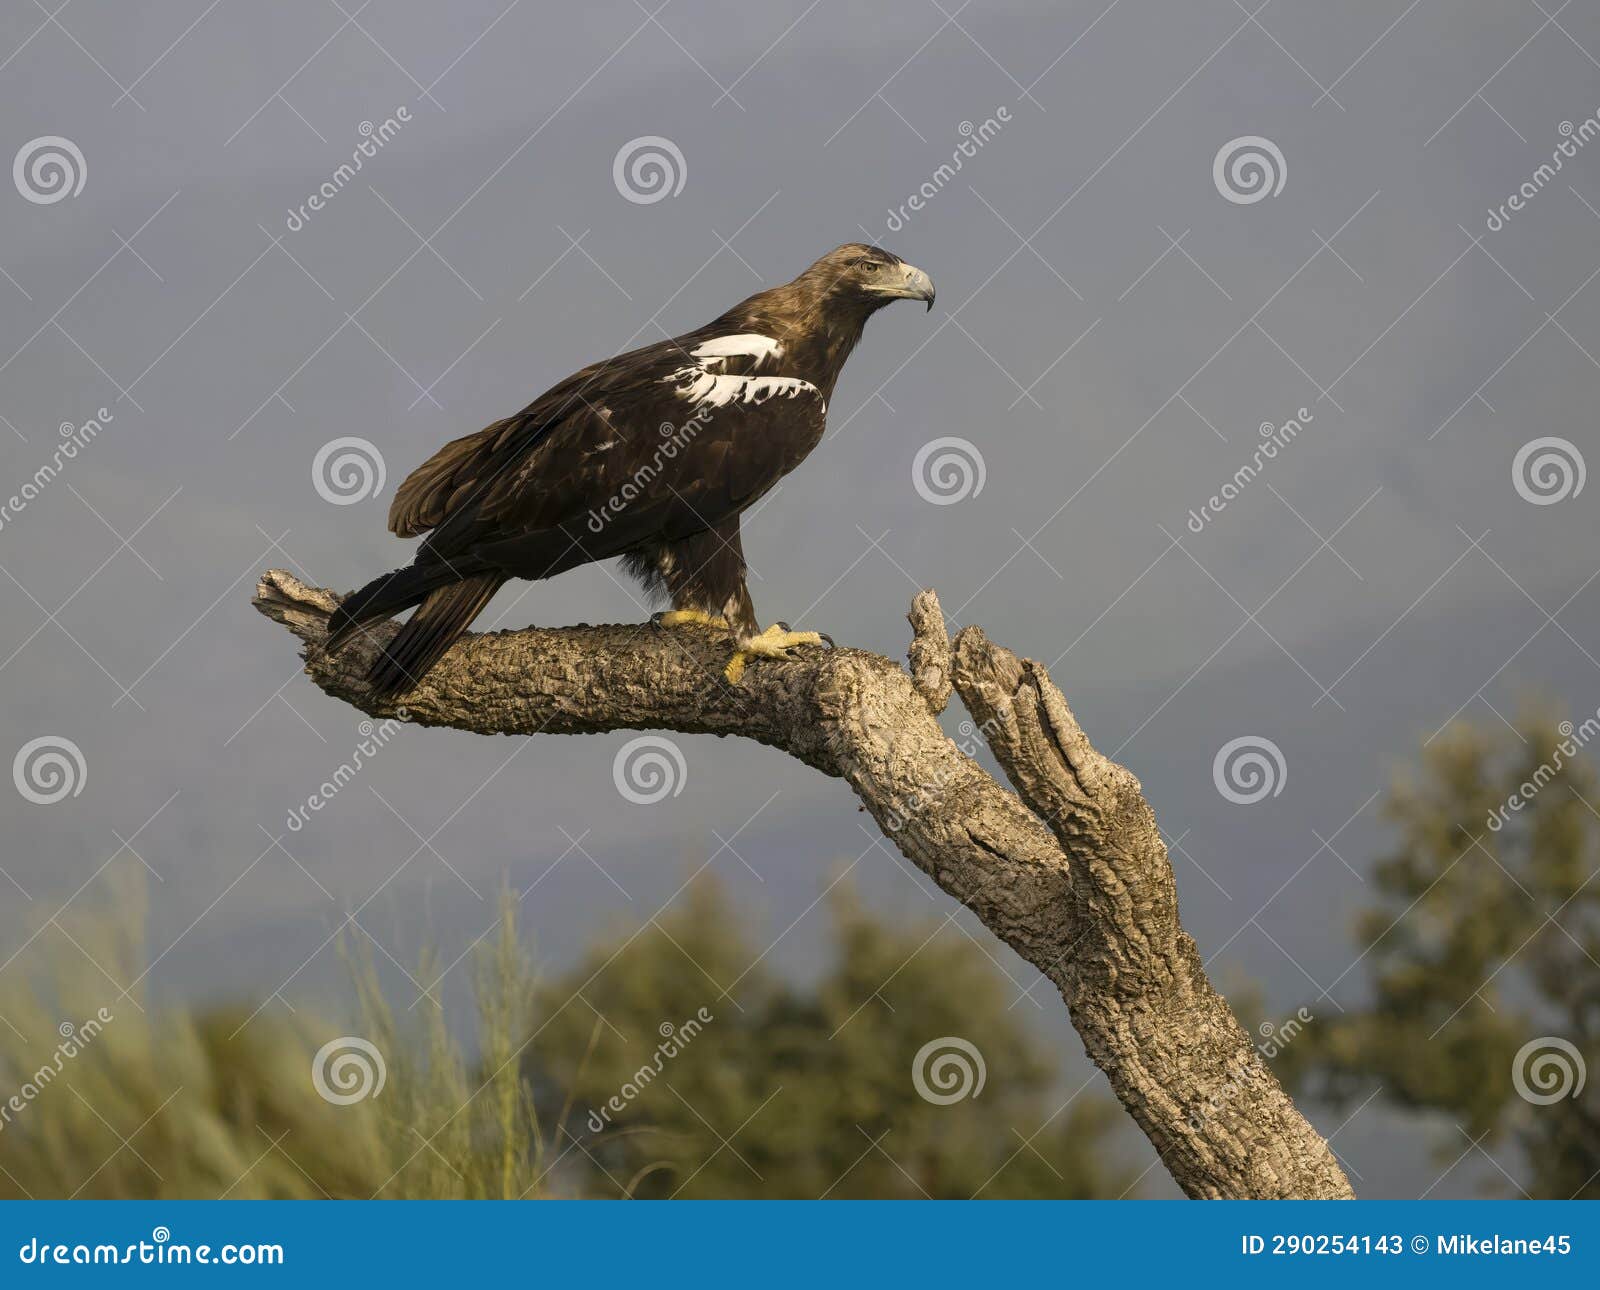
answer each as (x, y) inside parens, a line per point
(789, 1092)
(812, 1089)
(454, 1129)
(1483, 940)
(167, 1102)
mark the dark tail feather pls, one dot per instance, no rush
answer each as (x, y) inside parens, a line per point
(383, 598)
(443, 616)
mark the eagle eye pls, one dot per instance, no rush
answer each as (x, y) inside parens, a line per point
(871, 266)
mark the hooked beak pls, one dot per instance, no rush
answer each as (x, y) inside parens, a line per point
(913, 285)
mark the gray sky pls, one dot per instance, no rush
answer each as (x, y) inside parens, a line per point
(1112, 331)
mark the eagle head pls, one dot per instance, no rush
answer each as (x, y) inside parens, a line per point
(869, 277)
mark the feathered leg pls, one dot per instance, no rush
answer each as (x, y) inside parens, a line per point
(705, 576)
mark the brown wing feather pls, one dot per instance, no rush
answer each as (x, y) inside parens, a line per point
(430, 492)
(480, 468)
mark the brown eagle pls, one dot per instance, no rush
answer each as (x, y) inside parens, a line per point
(650, 456)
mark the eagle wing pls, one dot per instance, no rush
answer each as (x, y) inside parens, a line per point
(439, 487)
(653, 445)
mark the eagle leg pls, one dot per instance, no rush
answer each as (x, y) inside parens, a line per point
(680, 617)
(775, 642)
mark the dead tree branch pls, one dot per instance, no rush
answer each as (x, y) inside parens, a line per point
(1069, 870)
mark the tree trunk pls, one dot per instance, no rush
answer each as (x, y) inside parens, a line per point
(1069, 870)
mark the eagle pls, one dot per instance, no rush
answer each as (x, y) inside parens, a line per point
(650, 457)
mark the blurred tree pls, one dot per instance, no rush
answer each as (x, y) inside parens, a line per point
(790, 1092)
(1484, 953)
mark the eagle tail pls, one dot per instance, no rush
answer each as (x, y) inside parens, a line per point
(383, 598)
(444, 614)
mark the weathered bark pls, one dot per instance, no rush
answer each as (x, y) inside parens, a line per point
(1069, 870)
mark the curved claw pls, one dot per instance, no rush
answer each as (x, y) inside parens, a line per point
(776, 642)
(824, 635)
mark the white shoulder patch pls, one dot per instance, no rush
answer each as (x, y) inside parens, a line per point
(702, 383)
(699, 386)
(747, 344)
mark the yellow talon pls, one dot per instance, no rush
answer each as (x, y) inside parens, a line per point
(775, 642)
